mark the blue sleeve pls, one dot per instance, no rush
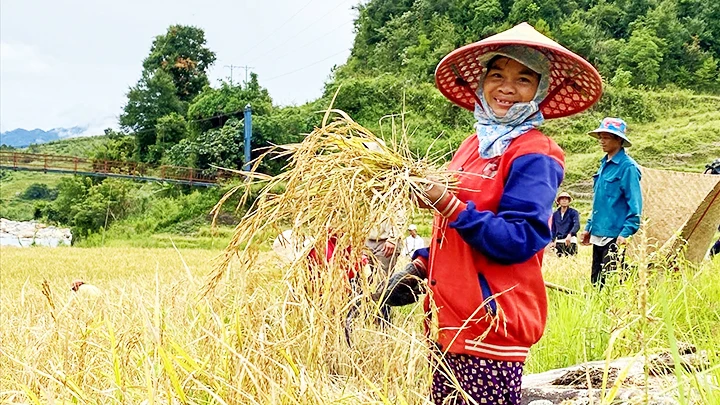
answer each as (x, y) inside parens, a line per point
(424, 253)
(633, 193)
(576, 222)
(520, 228)
(553, 227)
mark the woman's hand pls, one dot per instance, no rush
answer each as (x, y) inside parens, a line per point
(432, 196)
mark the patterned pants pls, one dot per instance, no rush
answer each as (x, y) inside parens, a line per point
(485, 381)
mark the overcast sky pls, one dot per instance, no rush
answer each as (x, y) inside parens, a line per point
(66, 63)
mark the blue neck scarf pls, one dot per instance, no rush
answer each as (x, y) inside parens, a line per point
(495, 133)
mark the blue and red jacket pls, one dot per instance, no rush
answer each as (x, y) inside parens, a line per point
(484, 261)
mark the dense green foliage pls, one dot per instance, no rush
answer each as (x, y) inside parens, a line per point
(90, 206)
(151, 99)
(176, 118)
(658, 42)
(181, 52)
(39, 191)
(173, 74)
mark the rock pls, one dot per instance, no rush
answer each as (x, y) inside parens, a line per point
(583, 376)
(664, 363)
(29, 233)
(569, 385)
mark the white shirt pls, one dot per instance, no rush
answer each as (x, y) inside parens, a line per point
(412, 244)
(600, 240)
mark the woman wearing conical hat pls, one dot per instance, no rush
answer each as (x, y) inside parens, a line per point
(484, 263)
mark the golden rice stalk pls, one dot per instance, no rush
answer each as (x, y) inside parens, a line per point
(341, 181)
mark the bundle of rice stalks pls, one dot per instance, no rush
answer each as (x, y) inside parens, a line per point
(341, 182)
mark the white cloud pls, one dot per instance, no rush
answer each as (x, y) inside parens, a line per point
(21, 58)
(70, 63)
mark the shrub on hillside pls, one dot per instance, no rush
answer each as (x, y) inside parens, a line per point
(87, 207)
(629, 104)
(39, 191)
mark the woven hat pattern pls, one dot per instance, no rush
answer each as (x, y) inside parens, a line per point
(574, 84)
(564, 194)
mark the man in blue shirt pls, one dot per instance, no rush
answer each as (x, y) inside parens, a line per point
(564, 226)
(617, 200)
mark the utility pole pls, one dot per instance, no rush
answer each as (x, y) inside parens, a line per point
(231, 67)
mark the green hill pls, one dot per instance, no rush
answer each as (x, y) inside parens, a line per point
(80, 147)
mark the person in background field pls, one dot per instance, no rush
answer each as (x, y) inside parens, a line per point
(565, 225)
(483, 265)
(413, 242)
(617, 200)
(383, 244)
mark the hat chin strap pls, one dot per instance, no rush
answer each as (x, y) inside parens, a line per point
(460, 81)
(568, 81)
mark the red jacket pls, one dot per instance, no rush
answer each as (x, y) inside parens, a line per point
(489, 240)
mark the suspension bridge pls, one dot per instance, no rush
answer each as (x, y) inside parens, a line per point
(49, 163)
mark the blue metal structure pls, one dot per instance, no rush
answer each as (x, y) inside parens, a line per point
(248, 136)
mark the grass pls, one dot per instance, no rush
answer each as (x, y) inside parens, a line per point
(12, 187)
(205, 237)
(151, 337)
(80, 147)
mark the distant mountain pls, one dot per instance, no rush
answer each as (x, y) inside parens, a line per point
(20, 138)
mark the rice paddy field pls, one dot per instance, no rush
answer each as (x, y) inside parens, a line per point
(153, 338)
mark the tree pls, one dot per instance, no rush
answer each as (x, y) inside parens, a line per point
(119, 147)
(663, 22)
(152, 98)
(706, 77)
(170, 129)
(173, 75)
(577, 35)
(182, 53)
(642, 55)
(214, 107)
(221, 147)
(479, 18)
(87, 207)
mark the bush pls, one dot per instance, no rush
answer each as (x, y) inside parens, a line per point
(629, 104)
(39, 191)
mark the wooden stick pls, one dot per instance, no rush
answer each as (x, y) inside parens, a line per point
(560, 288)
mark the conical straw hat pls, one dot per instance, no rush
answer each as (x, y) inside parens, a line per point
(575, 85)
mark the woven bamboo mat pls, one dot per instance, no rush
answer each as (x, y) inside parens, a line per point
(680, 210)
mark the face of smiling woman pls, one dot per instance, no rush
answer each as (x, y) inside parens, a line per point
(508, 82)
